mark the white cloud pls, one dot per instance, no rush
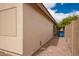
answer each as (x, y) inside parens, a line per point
(77, 12)
(59, 16)
(49, 5)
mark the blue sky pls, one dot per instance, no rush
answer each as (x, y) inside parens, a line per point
(62, 10)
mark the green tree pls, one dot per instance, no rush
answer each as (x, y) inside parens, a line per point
(67, 21)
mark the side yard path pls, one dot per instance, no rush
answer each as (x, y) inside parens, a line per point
(55, 47)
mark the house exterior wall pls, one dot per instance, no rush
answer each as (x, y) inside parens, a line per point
(37, 29)
(24, 28)
(11, 27)
(72, 36)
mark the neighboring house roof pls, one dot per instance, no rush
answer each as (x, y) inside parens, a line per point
(44, 9)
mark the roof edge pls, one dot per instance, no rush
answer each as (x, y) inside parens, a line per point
(44, 9)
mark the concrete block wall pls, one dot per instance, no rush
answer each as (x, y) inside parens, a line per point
(72, 36)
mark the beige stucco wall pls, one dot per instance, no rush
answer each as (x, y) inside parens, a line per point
(72, 36)
(36, 27)
(11, 27)
(24, 28)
